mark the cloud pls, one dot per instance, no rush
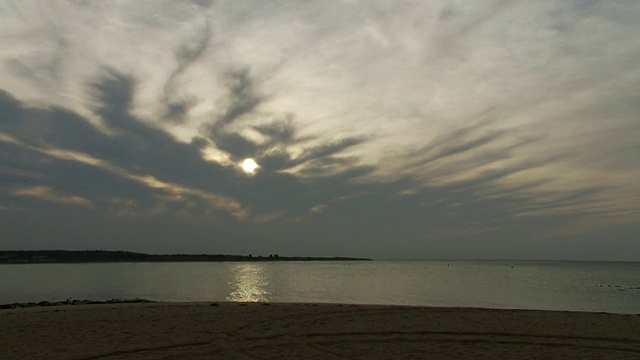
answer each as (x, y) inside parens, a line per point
(243, 99)
(46, 193)
(203, 3)
(65, 137)
(177, 107)
(494, 127)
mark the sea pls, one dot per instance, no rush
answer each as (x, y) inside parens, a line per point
(575, 286)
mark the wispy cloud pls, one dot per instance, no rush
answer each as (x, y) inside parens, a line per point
(46, 193)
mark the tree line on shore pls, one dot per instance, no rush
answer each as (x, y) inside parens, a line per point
(85, 256)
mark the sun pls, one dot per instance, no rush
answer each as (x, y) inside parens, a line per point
(249, 166)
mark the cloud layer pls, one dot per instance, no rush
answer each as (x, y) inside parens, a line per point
(385, 129)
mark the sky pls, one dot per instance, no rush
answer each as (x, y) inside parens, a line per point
(408, 129)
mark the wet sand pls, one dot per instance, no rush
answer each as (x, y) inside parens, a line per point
(311, 331)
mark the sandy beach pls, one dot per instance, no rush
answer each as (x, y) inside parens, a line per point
(311, 331)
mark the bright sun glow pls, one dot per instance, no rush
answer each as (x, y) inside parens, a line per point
(249, 166)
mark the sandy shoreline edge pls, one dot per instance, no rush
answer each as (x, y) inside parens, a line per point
(137, 329)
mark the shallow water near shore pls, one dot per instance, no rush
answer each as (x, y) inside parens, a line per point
(579, 286)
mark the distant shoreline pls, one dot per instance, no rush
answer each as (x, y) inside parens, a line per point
(31, 304)
(104, 256)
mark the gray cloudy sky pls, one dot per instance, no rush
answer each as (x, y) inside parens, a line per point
(386, 129)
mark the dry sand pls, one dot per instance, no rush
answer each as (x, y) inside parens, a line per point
(306, 331)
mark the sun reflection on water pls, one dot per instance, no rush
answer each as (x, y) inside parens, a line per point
(248, 283)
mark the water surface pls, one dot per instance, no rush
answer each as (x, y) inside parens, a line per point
(610, 287)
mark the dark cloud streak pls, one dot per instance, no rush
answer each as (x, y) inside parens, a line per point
(187, 54)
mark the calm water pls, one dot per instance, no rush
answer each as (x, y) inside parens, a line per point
(610, 287)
